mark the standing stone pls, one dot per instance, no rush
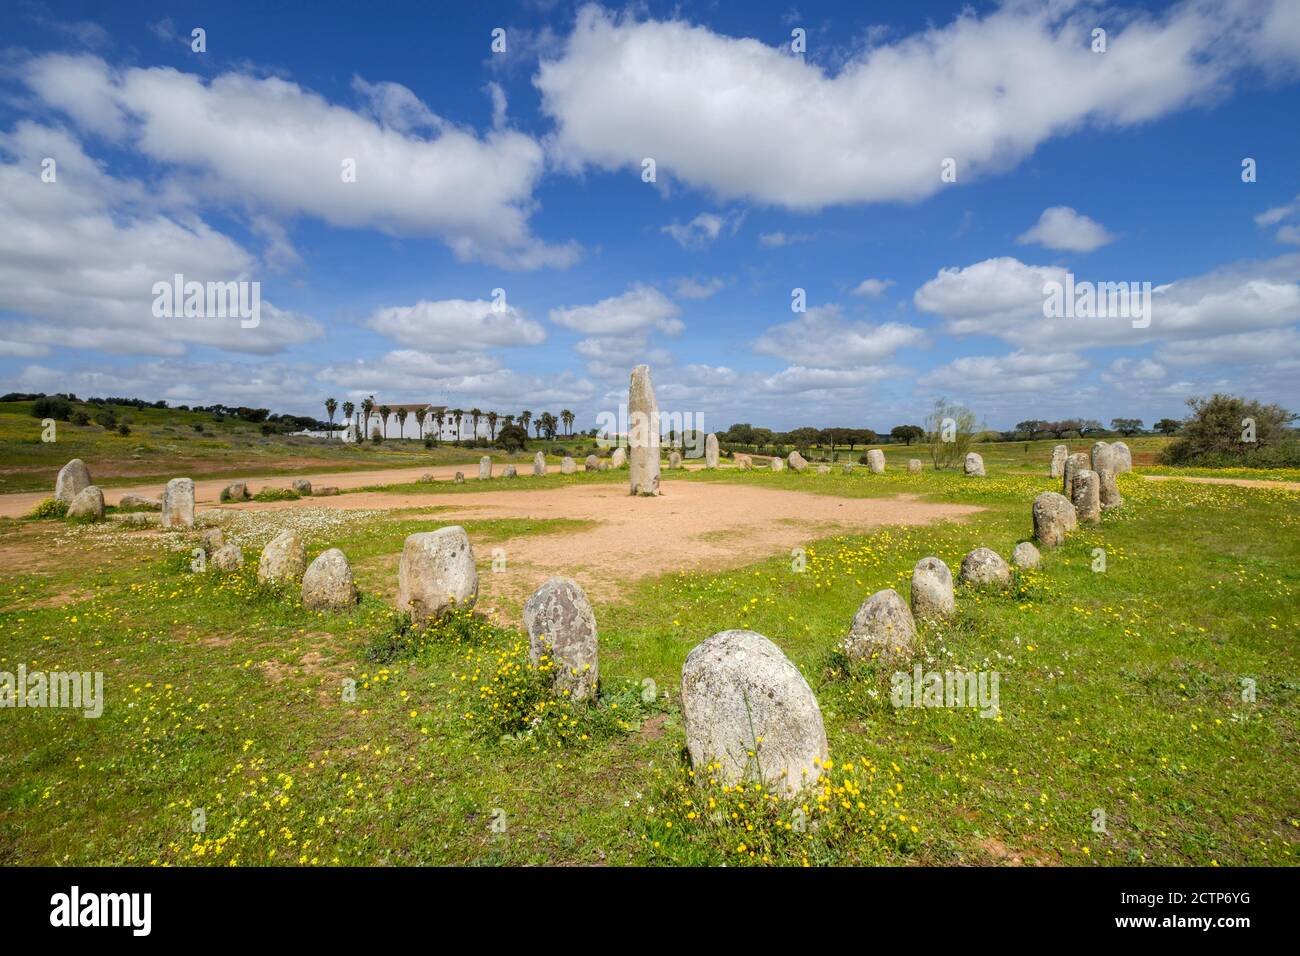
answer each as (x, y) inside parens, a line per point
(975, 464)
(846, 468)
(539, 464)
(459, 478)
(883, 628)
(136, 501)
(643, 434)
(604, 464)
(235, 491)
(561, 626)
(1026, 556)
(797, 461)
(932, 596)
(283, 559)
(567, 466)
(1085, 493)
(592, 463)
(743, 462)
(1059, 454)
(1123, 457)
(436, 573)
(876, 461)
(619, 458)
(302, 486)
(1075, 463)
(228, 557)
(178, 504)
(212, 540)
(87, 504)
(823, 469)
(778, 464)
(740, 697)
(484, 468)
(914, 466)
(426, 477)
(674, 460)
(1054, 517)
(327, 584)
(984, 566)
(1104, 464)
(326, 492)
(710, 450)
(73, 477)
(509, 472)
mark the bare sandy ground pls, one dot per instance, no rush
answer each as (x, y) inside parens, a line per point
(691, 525)
(1239, 482)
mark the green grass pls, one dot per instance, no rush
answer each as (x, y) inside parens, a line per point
(1120, 691)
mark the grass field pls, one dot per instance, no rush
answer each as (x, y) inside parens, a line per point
(1121, 692)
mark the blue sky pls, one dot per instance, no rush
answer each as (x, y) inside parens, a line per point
(522, 171)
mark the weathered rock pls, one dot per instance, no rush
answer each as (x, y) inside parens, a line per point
(426, 478)
(746, 708)
(327, 583)
(212, 540)
(846, 468)
(87, 504)
(876, 461)
(975, 464)
(137, 519)
(567, 466)
(1123, 457)
(1104, 464)
(227, 557)
(823, 469)
(1026, 556)
(1054, 517)
(539, 464)
(459, 479)
(592, 463)
(914, 466)
(643, 433)
(283, 559)
(1085, 495)
(1079, 461)
(1059, 454)
(561, 626)
(136, 501)
(72, 479)
(235, 491)
(509, 472)
(984, 566)
(302, 486)
(932, 595)
(484, 468)
(178, 504)
(436, 573)
(674, 460)
(619, 457)
(710, 450)
(604, 464)
(778, 464)
(796, 461)
(882, 629)
(743, 462)
(325, 492)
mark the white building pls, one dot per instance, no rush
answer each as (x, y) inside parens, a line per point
(411, 429)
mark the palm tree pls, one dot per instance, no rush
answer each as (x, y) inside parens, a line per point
(549, 423)
(384, 412)
(566, 416)
(474, 415)
(524, 418)
(348, 409)
(457, 414)
(331, 407)
(439, 418)
(420, 415)
(508, 420)
(367, 406)
(537, 425)
(401, 423)
(492, 424)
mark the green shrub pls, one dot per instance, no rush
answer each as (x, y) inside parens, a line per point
(1216, 434)
(49, 508)
(277, 494)
(52, 406)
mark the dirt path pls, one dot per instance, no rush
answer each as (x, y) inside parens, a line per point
(1239, 482)
(692, 525)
